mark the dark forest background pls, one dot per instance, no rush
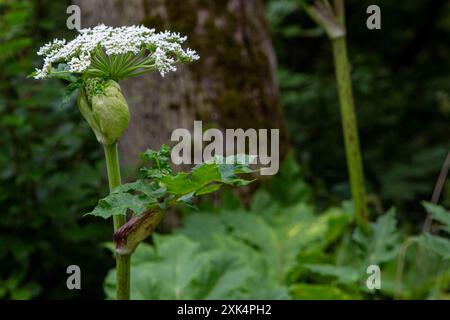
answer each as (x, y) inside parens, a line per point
(51, 168)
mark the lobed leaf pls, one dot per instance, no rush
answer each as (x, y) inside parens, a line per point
(383, 243)
(439, 245)
(161, 188)
(439, 214)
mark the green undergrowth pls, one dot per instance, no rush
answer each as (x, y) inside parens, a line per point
(281, 247)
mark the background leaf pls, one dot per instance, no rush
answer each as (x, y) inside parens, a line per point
(437, 244)
(383, 243)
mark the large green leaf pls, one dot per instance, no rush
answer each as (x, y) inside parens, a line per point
(217, 170)
(120, 203)
(181, 270)
(161, 188)
(276, 239)
(240, 232)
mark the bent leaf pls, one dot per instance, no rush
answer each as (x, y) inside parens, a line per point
(160, 188)
(439, 214)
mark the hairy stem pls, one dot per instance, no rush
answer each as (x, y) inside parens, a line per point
(122, 261)
(350, 128)
(332, 20)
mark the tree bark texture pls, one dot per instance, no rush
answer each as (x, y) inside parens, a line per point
(233, 85)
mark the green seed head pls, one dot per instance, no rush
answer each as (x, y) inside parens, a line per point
(105, 109)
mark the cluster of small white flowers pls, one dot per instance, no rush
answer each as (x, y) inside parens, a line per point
(81, 62)
(162, 47)
(165, 62)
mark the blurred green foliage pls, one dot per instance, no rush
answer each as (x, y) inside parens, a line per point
(401, 84)
(286, 243)
(50, 170)
(277, 249)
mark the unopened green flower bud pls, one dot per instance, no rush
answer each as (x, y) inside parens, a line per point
(105, 109)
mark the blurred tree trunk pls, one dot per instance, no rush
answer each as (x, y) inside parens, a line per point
(232, 86)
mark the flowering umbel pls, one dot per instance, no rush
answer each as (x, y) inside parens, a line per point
(101, 56)
(114, 53)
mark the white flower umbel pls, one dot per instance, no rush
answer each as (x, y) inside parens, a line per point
(114, 53)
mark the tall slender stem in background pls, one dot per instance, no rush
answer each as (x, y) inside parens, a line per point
(332, 20)
(350, 128)
(122, 261)
(437, 191)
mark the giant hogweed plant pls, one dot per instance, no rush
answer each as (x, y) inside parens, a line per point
(93, 63)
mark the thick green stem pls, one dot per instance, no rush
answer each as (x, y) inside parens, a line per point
(122, 261)
(350, 128)
(112, 165)
(123, 276)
